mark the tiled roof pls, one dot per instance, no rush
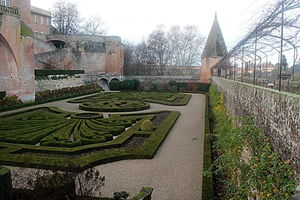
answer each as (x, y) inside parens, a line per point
(215, 45)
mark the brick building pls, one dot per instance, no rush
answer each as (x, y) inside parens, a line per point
(26, 44)
(40, 20)
(16, 47)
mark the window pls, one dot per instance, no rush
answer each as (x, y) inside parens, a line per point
(42, 20)
(35, 19)
(5, 3)
(48, 22)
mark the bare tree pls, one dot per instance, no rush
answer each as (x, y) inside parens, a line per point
(265, 31)
(128, 57)
(186, 45)
(94, 25)
(66, 17)
(158, 46)
(162, 48)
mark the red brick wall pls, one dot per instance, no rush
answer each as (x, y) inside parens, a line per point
(41, 25)
(25, 7)
(114, 58)
(207, 64)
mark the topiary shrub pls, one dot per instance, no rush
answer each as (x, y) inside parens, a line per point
(55, 186)
(2, 94)
(115, 85)
(10, 101)
(174, 89)
(160, 88)
(153, 86)
(127, 84)
(5, 183)
(136, 83)
(172, 83)
(147, 125)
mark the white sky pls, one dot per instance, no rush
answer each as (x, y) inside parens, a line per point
(134, 19)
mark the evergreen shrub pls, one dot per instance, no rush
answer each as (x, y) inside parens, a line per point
(137, 83)
(55, 186)
(147, 125)
(115, 85)
(5, 183)
(127, 84)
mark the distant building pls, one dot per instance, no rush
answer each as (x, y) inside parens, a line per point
(40, 20)
(26, 44)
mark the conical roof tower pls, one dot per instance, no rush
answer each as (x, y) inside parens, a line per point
(215, 45)
(215, 49)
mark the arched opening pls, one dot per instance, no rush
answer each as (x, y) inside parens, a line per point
(104, 84)
(59, 44)
(9, 78)
(114, 79)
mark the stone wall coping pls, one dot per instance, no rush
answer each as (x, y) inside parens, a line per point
(262, 88)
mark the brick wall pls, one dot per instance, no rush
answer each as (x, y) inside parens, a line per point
(278, 113)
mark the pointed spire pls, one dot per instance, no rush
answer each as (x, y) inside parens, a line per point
(215, 45)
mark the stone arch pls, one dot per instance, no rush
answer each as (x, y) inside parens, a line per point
(114, 79)
(103, 82)
(59, 44)
(9, 78)
(6, 44)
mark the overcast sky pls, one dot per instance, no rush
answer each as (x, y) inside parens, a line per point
(135, 19)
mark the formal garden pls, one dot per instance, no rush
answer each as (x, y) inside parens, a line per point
(53, 139)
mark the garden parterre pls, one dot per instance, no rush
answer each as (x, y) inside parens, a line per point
(50, 138)
(129, 101)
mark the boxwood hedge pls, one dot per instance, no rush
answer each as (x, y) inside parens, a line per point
(49, 138)
(130, 101)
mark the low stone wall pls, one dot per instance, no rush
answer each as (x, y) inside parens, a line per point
(52, 83)
(278, 113)
(287, 86)
(147, 80)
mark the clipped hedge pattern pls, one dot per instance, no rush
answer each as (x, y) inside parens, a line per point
(46, 72)
(130, 101)
(60, 130)
(114, 106)
(49, 138)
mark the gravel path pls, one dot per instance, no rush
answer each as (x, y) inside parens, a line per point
(175, 172)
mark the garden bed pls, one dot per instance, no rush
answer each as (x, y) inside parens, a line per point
(130, 101)
(48, 138)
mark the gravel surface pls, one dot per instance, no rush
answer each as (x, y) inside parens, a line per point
(175, 172)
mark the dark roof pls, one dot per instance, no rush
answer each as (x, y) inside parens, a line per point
(215, 45)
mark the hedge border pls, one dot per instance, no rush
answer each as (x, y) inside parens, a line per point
(119, 109)
(47, 101)
(207, 183)
(184, 101)
(12, 154)
(46, 72)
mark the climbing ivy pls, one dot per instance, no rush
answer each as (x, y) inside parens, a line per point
(26, 30)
